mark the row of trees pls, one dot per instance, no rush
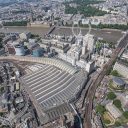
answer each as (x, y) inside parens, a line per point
(84, 2)
(88, 11)
(70, 10)
(103, 26)
(113, 26)
(110, 26)
(15, 23)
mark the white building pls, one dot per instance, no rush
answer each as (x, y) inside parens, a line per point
(95, 21)
(89, 41)
(123, 97)
(19, 100)
(90, 66)
(25, 35)
(67, 58)
(122, 68)
(85, 21)
(75, 52)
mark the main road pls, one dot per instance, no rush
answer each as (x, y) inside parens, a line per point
(91, 91)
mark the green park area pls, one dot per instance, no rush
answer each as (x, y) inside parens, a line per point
(1, 90)
(115, 73)
(111, 96)
(106, 118)
(118, 104)
(84, 7)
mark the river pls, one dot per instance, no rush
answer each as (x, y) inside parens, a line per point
(108, 35)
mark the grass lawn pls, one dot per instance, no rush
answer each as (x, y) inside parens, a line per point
(123, 120)
(111, 87)
(108, 119)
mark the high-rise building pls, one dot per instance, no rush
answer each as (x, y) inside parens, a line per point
(88, 42)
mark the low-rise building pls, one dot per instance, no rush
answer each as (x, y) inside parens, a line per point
(123, 97)
(115, 112)
(118, 83)
(19, 100)
(122, 68)
(25, 36)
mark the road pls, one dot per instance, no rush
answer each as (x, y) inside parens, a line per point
(91, 91)
(5, 121)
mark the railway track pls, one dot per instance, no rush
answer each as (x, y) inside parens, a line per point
(91, 91)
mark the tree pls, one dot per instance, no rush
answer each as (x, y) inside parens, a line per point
(1, 39)
(1, 113)
(111, 96)
(15, 23)
(83, 7)
(107, 121)
(101, 109)
(1, 89)
(117, 124)
(125, 114)
(109, 71)
(115, 73)
(33, 36)
(117, 103)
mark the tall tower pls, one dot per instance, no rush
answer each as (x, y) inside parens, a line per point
(85, 45)
(88, 43)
